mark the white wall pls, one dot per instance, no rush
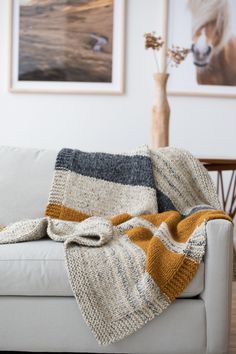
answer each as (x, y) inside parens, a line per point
(113, 123)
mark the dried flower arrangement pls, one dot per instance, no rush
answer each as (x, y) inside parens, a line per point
(161, 110)
(175, 55)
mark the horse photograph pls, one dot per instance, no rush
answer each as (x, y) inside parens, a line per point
(208, 29)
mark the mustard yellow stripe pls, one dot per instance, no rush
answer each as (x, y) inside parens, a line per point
(181, 230)
(61, 212)
(161, 262)
(180, 279)
(119, 219)
(170, 270)
(141, 236)
(58, 211)
(172, 218)
(186, 227)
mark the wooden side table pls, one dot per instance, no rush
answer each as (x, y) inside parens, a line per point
(225, 170)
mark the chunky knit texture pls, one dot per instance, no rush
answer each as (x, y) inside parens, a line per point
(134, 230)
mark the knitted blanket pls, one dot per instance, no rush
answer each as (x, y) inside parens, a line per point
(134, 230)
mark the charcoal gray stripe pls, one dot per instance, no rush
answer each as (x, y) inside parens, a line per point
(164, 203)
(130, 170)
(199, 208)
(64, 159)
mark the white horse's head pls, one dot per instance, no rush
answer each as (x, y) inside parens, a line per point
(210, 29)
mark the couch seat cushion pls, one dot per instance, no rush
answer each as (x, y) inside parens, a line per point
(37, 269)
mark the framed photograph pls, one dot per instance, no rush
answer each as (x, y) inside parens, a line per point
(208, 28)
(68, 46)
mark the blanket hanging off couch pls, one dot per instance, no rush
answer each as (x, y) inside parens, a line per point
(134, 229)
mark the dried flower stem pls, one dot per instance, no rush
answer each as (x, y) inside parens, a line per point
(156, 60)
(155, 43)
(175, 55)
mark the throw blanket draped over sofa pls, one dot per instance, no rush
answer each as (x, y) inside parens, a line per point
(134, 230)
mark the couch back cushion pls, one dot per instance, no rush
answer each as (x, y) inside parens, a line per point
(25, 181)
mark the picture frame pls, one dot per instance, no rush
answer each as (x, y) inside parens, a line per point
(98, 67)
(177, 25)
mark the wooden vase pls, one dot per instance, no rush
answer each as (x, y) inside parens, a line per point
(160, 113)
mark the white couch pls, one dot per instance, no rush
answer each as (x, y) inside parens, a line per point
(37, 308)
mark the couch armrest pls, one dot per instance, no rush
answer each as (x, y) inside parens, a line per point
(217, 291)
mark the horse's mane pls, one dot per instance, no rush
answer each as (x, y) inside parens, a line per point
(205, 11)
